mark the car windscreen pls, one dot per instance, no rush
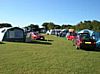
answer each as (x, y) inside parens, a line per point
(35, 33)
(84, 35)
(73, 34)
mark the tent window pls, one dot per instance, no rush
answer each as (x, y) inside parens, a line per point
(18, 34)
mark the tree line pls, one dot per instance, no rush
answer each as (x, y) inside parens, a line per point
(5, 25)
(92, 25)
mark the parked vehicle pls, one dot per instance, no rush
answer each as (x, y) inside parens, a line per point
(70, 35)
(63, 33)
(57, 32)
(37, 36)
(84, 40)
(34, 36)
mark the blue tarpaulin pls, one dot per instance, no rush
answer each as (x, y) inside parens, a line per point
(97, 38)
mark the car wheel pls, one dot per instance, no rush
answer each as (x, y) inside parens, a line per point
(73, 44)
(42, 38)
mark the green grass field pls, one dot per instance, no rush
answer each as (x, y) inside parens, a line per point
(54, 56)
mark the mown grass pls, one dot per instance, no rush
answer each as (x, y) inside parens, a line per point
(54, 56)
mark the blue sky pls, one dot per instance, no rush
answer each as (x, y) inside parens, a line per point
(24, 12)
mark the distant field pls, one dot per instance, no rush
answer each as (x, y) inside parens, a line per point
(54, 56)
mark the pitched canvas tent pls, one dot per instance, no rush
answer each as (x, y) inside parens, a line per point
(12, 34)
(2, 33)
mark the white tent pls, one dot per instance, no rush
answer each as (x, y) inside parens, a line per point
(2, 33)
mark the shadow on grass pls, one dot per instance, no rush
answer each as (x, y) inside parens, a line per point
(40, 42)
(98, 50)
(49, 40)
(2, 43)
(93, 50)
(45, 42)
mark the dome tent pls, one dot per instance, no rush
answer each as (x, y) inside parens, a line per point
(87, 31)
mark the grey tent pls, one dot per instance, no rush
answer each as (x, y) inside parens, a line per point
(12, 34)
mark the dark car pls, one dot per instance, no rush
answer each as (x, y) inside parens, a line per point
(63, 33)
(84, 40)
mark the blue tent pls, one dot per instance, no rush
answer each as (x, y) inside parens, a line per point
(87, 30)
(97, 38)
(98, 43)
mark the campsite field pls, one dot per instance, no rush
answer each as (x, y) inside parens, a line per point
(54, 56)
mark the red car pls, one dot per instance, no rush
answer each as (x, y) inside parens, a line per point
(83, 40)
(37, 36)
(71, 35)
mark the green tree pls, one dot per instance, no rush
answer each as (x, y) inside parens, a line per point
(51, 25)
(48, 25)
(92, 25)
(57, 26)
(63, 26)
(45, 25)
(5, 25)
(32, 27)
